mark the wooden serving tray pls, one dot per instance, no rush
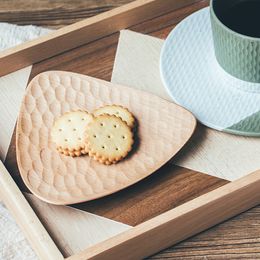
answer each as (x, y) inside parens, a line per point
(165, 208)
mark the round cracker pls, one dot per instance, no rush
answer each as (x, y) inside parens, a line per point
(117, 111)
(108, 139)
(68, 132)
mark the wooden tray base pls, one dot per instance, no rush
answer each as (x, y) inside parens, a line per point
(96, 59)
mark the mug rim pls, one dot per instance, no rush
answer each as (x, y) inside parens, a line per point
(227, 28)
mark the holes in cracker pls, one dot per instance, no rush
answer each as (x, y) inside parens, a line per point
(69, 120)
(115, 126)
(66, 140)
(79, 139)
(109, 136)
(60, 130)
(117, 113)
(117, 149)
(74, 129)
(103, 147)
(123, 137)
(83, 119)
(94, 136)
(102, 124)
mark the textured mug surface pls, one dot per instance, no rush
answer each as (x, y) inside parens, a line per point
(237, 54)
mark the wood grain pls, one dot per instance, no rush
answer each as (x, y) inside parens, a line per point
(238, 238)
(166, 189)
(53, 14)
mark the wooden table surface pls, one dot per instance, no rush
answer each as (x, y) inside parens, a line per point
(238, 238)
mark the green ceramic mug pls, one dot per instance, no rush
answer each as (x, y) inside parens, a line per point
(236, 35)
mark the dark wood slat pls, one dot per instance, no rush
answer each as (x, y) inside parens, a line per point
(168, 188)
(53, 14)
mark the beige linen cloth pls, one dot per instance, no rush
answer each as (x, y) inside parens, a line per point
(13, 244)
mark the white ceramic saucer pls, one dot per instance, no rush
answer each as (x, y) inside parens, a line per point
(194, 79)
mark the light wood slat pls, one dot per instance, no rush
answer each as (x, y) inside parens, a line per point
(26, 218)
(12, 87)
(74, 230)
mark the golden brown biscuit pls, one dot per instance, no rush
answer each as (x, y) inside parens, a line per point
(117, 111)
(68, 132)
(108, 139)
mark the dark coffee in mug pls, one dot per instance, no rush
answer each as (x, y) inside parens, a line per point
(242, 16)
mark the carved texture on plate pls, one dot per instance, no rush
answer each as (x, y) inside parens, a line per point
(163, 128)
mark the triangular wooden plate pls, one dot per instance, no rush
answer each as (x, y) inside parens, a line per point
(163, 129)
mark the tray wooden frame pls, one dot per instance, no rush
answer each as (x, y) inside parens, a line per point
(159, 232)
